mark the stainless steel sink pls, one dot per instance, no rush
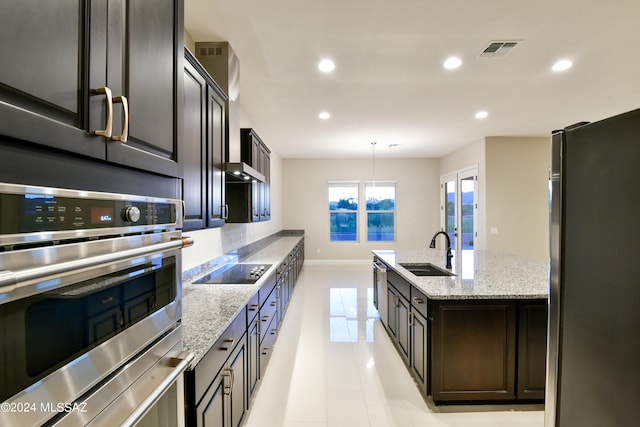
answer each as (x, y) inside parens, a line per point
(425, 269)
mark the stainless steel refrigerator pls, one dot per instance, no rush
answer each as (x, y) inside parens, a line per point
(593, 366)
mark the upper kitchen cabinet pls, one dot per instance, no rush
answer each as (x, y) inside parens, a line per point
(95, 78)
(203, 148)
(251, 201)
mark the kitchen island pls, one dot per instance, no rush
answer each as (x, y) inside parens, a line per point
(478, 335)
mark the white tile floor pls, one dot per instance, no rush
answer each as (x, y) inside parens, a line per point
(334, 365)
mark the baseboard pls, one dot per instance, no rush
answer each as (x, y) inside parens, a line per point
(308, 261)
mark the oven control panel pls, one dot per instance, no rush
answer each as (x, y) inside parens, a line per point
(31, 209)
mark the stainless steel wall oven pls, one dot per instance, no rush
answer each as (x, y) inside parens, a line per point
(90, 308)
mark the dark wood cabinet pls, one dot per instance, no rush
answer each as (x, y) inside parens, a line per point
(473, 350)
(108, 89)
(203, 148)
(224, 404)
(399, 321)
(532, 349)
(215, 389)
(219, 389)
(251, 201)
(419, 339)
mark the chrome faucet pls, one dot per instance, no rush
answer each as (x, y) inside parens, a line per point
(449, 254)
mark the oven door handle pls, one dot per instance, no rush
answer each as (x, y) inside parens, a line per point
(11, 279)
(155, 395)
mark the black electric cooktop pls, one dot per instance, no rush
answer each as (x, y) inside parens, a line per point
(241, 274)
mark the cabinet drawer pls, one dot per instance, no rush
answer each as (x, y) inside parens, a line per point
(199, 379)
(268, 312)
(253, 308)
(269, 336)
(266, 288)
(419, 302)
(399, 283)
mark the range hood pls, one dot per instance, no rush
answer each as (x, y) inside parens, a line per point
(242, 172)
(221, 62)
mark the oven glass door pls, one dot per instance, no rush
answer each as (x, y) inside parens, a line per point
(64, 341)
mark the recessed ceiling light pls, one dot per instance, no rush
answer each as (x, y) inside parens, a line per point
(452, 62)
(324, 115)
(482, 115)
(562, 65)
(326, 66)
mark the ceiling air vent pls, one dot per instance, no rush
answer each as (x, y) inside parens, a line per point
(498, 49)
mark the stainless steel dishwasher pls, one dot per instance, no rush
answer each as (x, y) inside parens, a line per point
(380, 290)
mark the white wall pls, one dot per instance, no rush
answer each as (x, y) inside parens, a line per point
(305, 198)
(517, 203)
(513, 174)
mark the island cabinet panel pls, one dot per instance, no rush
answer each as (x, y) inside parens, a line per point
(532, 349)
(398, 327)
(419, 338)
(473, 346)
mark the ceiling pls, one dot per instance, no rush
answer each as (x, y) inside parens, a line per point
(390, 86)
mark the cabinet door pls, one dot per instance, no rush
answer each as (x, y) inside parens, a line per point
(215, 159)
(237, 395)
(253, 355)
(532, 349)
(419, 349)
(473, 350)
(392, 317)
(403, 327)
(265, 200)
(212, 412)
(194, 148)
(144, 51)
(44, 92)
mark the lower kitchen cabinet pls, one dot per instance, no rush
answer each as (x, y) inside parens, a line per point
(532, 349)
(419, 339)
(215, 389)
(219, 388)
(473, 348)
(224, 404)
(399, 320)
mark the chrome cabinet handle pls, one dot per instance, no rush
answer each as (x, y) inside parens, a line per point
(125, 118)
(106, 132)
(418, 300)
(226, 211)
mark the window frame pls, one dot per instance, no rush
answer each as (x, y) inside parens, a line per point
(382, 183)
(356, 212)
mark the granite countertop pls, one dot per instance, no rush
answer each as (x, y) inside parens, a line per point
(208, 309)
(478, 274)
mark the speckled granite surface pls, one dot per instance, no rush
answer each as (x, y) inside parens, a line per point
(207, 309)
(478, 274)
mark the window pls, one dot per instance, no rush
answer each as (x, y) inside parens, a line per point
(381, 205)
(343, 211)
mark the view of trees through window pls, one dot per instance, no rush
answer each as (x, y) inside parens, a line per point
(343, 211)
(380, 202)
(466, 213)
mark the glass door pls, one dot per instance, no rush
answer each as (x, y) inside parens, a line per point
(460, 208)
